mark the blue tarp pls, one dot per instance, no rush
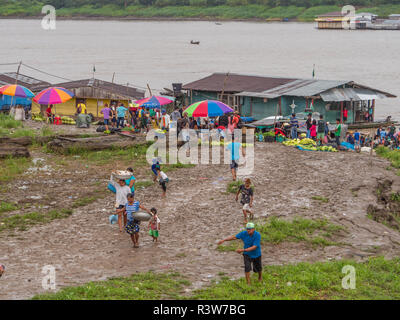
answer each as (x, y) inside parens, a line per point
(247, 119)
(5, 102)
(347, 145)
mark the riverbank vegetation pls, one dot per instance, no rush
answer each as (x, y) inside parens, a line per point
(300, 10)
(376, 278)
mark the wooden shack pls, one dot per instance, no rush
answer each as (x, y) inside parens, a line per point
(259, 97)
(94, 94)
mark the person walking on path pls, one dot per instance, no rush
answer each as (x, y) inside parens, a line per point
(251, 250)
(154, 225)
(163, 180)
(247, 198)
(234, 148)
(121, 191)
(133, 226)
(294, 124)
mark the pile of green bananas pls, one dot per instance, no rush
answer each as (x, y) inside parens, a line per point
(298, 142)
(67, 120)
(38, 117)
(327, 148)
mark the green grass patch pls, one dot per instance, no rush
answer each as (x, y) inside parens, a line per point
(274, 231)
(10, 168)
(22, 222)
(392, 155)
(143, 184)
(376, 279)
(144, 286)
(320, 198)
(7, 206)
(395, 196)
(171, 167)
(135, 153)
(84, 201)
(7, 122)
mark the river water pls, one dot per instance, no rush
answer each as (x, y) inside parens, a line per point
(160, 53)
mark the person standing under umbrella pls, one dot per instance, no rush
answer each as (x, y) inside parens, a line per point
(49, 113)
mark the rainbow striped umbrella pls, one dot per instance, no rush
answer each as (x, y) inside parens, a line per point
(16, 91)
(53, 95)
(207, 108)
(153, 102)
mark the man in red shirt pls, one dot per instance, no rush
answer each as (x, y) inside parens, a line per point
(345, 114)
(50, 114)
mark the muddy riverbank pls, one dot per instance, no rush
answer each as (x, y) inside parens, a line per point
(195, 215)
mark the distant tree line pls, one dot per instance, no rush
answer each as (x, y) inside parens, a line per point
(203, 3)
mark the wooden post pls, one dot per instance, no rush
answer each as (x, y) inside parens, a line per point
(280, 106)
(276, 114)
(223, 87)
(373, 110)
(341, 111)
(16, 82)
(148, 87)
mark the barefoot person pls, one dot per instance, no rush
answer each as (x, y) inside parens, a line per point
(234, 148)
(251, 250)
(247, 198)
(154, 225)
(133, 226)
(154, 167)
(163, 180)
(121, 191)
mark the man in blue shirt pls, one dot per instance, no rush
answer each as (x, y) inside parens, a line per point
(251, 250)
(121, 115)
(234, 147)
(294, 124)
(357, 140)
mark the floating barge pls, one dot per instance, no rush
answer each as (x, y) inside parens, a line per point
(363, 20)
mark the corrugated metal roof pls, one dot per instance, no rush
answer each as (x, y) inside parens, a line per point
(26, 81)
(236, 83)
(348, 94)
(297, 88)
(123, 90)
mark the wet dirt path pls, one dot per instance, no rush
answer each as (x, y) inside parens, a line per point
(197, 213)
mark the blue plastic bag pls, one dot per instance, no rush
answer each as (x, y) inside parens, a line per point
(113, 218)
(111, 188)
